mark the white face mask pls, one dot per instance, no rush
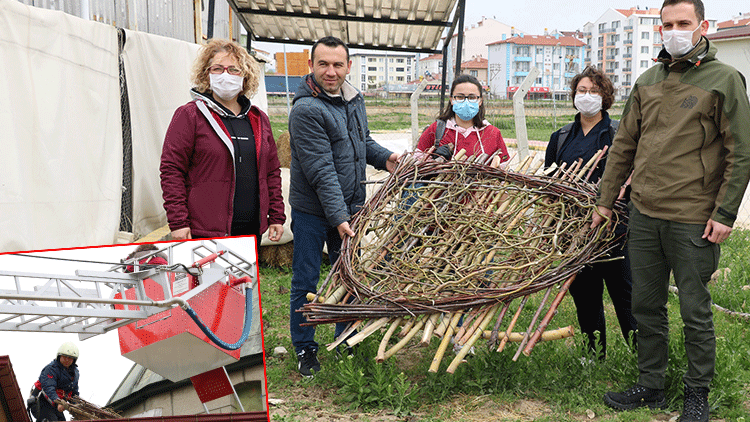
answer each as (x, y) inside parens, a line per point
(677, 42)
(588, 104)
(226, 86)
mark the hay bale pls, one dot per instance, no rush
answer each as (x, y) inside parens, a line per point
(277, 255)
(284, 150)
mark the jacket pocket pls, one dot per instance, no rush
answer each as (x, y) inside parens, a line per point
(706, 255)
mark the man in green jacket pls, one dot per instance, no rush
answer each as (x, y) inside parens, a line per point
(685, 135)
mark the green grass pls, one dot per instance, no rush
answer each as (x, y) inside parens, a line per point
(394, 115)
(553, 374)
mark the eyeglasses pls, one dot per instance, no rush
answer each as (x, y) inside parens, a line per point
(592, 91)
(460, 98)
(218, 69)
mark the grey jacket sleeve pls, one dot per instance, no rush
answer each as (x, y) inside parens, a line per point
(313, 148)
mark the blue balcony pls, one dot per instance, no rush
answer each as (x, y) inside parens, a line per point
(521, 73)
(521, 59)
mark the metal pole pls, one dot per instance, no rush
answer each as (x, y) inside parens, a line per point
(386, 75)
(234, 392)
(460, 41)
(445, 71)
(85, 12)
(286, 81)
(210, 30)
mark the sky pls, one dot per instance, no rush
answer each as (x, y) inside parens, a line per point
(533, 16)
(101, 366)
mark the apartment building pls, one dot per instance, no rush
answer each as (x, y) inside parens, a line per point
(558, 58)
(431, 67)
(624, 43)
(476, 67)
(372, 70)
(476, 37)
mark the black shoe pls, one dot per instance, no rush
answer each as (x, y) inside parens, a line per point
(695, 406)
(307, 362)
(635, 397)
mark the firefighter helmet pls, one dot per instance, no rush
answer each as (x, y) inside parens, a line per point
(68, 349)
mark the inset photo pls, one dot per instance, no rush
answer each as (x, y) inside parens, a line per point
(150, 330)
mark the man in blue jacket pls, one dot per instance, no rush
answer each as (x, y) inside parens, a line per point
(58, 381)
(331, 147)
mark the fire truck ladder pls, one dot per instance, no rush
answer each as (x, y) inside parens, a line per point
(84, 302)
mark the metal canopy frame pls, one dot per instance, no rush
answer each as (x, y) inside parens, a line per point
(414, 26)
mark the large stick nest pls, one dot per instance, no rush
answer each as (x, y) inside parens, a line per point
(473, 235)
(441, 238)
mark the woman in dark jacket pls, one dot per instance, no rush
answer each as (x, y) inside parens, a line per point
(592, 130)
(219, 168)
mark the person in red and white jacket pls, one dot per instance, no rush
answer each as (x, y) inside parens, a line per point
(143, 250)
(58, 380)
(465, 126)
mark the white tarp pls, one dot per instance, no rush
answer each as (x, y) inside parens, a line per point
(60, 142)
(157, 71)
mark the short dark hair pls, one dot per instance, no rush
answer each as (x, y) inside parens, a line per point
(448, 112)
(700, 10)
(606, 89)
(142, 248)
(331, 42)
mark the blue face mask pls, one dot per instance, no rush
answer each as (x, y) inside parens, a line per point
(466, 110)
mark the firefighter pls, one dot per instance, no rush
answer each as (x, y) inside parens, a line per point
(143, 250)
(58, 380)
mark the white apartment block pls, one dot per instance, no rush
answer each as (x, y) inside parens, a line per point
(624, 43)
(476, 38)
(372, 70)
(431, 67)
(558, 58)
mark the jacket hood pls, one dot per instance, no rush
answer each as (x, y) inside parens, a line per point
(218, 108)
(308, 87)
(704, 51)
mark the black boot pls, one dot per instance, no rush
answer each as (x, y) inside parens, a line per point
(635, 397)
(695, 407)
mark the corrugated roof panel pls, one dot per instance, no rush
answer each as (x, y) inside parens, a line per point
(382, 24)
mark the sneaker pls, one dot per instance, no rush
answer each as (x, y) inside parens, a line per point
(695, 405)
(635, 397)
(307, 362)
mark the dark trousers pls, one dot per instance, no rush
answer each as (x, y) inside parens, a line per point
(310, 233)
(588, 289)
(48, 412)
(657, 247)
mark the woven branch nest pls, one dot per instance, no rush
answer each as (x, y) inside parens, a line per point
(460, 236)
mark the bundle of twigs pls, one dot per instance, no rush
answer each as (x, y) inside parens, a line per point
(446, 247)
(84, 410)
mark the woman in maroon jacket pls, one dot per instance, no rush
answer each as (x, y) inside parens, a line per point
(220, 173)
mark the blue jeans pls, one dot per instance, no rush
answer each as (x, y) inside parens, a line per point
(310, 233)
